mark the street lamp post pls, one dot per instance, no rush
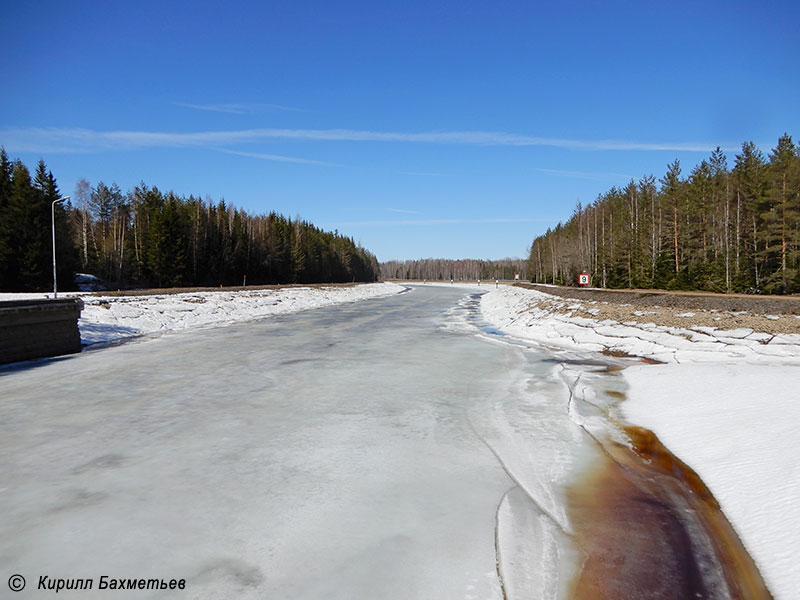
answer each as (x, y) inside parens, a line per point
(53, 220)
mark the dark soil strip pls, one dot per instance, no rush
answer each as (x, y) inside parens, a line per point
(651, 529)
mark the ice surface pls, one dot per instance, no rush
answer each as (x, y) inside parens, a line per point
(329, 453)
(532, 570)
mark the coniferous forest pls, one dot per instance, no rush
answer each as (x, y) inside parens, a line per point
(148, 238)
(716, 228)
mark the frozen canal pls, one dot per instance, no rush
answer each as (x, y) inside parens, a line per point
(391, 448)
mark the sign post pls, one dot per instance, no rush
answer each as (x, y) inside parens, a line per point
(584, 279)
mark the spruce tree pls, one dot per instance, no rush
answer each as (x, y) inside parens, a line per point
(5, 219)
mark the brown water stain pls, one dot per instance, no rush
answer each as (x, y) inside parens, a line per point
(617, 353)
(650, 528)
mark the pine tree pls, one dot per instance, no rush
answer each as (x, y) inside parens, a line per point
(30, 225)
(780, 214)
(672, 192)
(167, 245)
(6, 169)
(750, 182)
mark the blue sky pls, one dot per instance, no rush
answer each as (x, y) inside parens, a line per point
(421, 129)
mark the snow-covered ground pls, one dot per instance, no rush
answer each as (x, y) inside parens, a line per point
(725, 402)
(566, 324)
(112, 318)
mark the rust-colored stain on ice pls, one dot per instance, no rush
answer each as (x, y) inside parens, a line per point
(649, 528)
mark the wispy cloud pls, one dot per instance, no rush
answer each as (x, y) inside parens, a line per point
(276, 157)
(403, 211)
(424, 222)
(240, 108)
(82, 140)
(584, 174)
(424, 174)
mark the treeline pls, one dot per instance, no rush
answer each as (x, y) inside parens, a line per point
(26, 250)
(718, 229)
(148, 238)
(444, 270)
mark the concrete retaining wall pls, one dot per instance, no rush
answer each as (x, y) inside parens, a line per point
(39, 328)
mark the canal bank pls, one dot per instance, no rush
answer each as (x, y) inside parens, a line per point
(723, 402)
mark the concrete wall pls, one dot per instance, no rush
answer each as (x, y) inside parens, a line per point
(38, 328)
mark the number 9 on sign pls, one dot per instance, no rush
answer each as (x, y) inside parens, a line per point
(583, 279)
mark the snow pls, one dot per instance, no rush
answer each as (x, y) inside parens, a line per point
(725, 402)
(735, 425)
(114, 318)
(516, 311)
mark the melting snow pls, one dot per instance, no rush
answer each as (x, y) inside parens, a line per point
(112, 318)
(725, 403)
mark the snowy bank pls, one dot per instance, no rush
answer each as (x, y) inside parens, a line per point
(571, 324)
(725, 402)
(735, 426)
(112, 318)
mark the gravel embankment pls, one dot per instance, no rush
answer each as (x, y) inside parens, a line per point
(768, 314)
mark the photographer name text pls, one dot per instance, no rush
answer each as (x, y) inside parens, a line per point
(107, 582)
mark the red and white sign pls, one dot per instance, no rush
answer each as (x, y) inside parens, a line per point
(584, 279)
